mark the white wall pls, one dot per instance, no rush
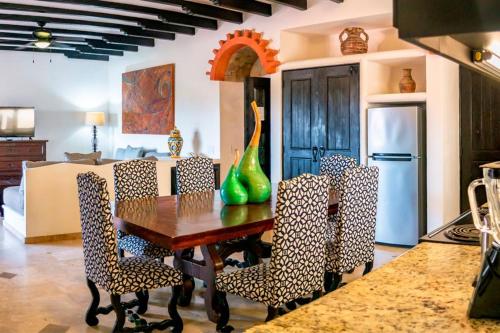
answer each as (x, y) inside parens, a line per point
(197, 98)
(61, 91)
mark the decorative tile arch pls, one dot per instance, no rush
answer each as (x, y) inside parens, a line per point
(236, 41)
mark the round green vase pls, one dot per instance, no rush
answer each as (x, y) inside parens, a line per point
(232, 191)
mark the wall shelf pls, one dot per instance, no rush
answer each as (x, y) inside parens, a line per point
(397, 98)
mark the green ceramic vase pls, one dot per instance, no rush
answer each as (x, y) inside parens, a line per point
(232, 191)
(249, 172)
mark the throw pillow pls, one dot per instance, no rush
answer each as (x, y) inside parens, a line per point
(132, 153)
(77, 156)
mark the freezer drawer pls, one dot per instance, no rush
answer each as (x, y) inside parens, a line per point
(398, 201)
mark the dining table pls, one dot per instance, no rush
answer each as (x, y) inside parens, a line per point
(183, 222)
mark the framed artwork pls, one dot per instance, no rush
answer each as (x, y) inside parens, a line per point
(148, 100)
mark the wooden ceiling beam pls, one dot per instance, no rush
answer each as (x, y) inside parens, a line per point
(164, 15)
(298, 4)
(195, 8)
(137, 20)
(110, 38)
(249, 6)
(138, 31)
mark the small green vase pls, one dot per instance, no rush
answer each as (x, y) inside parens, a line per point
(232, 191)
(249, 172)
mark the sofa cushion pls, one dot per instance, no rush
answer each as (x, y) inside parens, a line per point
(129, 153)
(69, 157)
(13, 199)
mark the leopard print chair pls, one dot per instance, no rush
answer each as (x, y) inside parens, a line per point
(195, 174)
(351, 233)
(116, 275)
(136, 180)
(334, 167)
(296, 267)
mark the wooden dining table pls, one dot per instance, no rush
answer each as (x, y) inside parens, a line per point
(183, 222)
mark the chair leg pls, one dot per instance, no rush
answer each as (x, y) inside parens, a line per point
(120, 313)
(223, 308)
(187, 291)
(368, 267)
(91, 316)
(143, 298)
(172, 310)
(271, 313)
(337, 279)
(317, 294)
(121, 253)
(328, 281)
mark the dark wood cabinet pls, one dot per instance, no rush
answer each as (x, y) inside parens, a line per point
(12, 154)
(479, 128)
(320, 116)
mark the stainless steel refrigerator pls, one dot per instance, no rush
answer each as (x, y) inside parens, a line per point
(396, 145)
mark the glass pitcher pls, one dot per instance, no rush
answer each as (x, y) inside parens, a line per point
(491, 182)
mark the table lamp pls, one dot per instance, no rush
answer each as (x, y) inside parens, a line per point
(95, 119)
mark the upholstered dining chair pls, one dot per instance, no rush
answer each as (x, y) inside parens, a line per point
(137, 179)
(296, 267)
(195, 174)
(116, 275)
(351, 232)
(334, 167)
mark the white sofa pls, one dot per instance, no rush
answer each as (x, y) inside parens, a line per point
(50, 209)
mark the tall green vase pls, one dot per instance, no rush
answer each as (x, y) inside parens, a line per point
(249, 172)
(232, 191)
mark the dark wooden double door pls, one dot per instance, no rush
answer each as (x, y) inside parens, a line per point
(320, 116)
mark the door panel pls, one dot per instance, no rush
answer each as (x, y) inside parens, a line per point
(479, 128)
(338, 113)
(339, 109)
(301, 121)
(300, 114)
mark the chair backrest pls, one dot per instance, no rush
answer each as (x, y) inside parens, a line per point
(135, 179)
(334, 167)
(298, 252)
(195, 174)
(98, 232)
(354, 231)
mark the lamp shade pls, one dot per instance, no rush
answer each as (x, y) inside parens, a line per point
(95, 118)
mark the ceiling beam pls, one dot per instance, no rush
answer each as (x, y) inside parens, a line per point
(249, 6)
(67, 53)
(111, 38)
(298, 4)
(137, 31)
(79, 47)
(95, 43)
(338, 1)
(164, 15)
(46, 19)
(137, 20)
(195, 8)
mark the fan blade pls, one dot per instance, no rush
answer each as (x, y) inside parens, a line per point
(61, 45)
(25, 46)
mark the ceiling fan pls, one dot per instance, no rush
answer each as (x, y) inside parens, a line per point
(44, 39)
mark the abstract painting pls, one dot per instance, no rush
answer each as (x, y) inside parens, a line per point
(148, 100)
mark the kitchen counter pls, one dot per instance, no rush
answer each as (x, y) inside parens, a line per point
(427, 289)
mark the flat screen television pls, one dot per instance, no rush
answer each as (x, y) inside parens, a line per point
(17, 122)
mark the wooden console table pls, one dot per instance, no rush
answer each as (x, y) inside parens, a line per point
(12, 154)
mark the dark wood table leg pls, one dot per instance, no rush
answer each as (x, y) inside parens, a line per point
(213, 265)
(187, 291)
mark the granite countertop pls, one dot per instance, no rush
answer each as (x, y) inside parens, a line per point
(427, 289)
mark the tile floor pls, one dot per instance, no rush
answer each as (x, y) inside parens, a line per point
(43, 289)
